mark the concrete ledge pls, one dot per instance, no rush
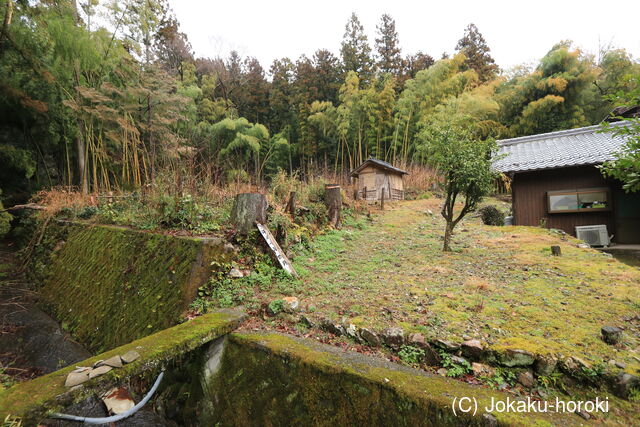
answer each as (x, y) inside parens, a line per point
(274, 379)
(32, 400)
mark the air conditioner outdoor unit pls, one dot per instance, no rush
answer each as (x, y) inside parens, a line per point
(594, 235)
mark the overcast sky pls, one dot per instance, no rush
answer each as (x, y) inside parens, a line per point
(517, 31)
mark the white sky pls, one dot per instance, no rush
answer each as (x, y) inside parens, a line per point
(516, 31)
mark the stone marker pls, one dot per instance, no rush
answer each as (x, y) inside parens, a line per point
(248, 209)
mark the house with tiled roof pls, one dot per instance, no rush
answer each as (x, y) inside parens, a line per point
(556, 182)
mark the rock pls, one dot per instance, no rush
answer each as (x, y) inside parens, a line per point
(584, 414)
(446, 345)
(472, 349)
(489, 420)
(416, 340)
(234, 273)
(545, 365)
(77, 376)
(290, 304)
(624, 383)
(574, 363)
(429, 212)
(333, 328)
(351, 331)
(100, 370)
(114, 362)
(583, 245)
(370, 337)
(442, 372)
(306, 321)
(511, 358)
(129, 356)
(611, 334)
(621, 365)
(459, 360)
(480, 369)
(526, 379)
(118, 400)
(393, 337)
(431, 357)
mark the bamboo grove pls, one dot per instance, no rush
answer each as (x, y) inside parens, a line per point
(108, 95)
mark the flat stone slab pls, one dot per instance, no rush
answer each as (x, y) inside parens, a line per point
(32, 400)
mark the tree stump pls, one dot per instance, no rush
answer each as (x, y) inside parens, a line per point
(291, 205)
(555, 251)
(248, 209)
(333, 201)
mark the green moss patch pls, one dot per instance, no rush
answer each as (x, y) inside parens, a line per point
(32, 400)
(109, 285)
(500, 285)
(273, 379)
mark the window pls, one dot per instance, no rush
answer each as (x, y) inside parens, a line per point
(585, 200)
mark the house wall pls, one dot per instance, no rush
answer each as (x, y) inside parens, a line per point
(530, 203)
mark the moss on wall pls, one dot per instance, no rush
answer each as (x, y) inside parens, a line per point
(110, 285)
(272, 379)
(32, 400)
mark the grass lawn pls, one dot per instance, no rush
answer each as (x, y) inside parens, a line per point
(500, 285)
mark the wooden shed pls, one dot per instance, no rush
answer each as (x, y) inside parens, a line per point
(556, 182)
(376, 177)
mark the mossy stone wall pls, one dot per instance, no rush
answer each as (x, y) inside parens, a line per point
(110, 285)
(273, 379)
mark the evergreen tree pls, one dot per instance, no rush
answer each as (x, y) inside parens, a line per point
(355, 50)
(387, 47)
(327, 69)
(475, 48)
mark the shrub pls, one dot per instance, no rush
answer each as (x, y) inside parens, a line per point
(87, 212)
(491, 215)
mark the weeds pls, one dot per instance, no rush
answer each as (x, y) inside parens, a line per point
(410, 354)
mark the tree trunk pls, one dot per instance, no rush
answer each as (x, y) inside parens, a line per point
(448, 231)
(333, 201)
(248, 209)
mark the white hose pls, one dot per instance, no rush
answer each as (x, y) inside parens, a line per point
(114, 418)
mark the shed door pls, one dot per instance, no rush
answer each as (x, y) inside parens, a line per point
(382, 185)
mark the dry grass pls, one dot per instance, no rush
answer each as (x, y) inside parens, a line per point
(58, 198)
(420, 179)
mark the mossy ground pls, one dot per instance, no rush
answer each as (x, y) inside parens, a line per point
(500, 284)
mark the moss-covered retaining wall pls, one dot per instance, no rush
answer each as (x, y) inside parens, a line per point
(32, 400)
(272, 379)
(110, 285)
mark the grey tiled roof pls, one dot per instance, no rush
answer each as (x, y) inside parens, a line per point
(573, 147)
(381, 164)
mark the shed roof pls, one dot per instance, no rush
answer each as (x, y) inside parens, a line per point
(379, 164)
(573, 147)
